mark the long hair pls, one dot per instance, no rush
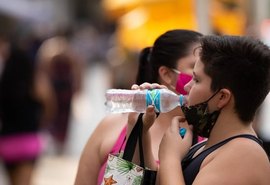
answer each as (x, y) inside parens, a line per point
(166, 51)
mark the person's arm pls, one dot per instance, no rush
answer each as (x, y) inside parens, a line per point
(148, 120)
(173, 149)
(90, 161)
(98, 147)
(78, 69)
(44, 92)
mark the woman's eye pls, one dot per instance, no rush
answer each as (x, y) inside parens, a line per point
(195, 80)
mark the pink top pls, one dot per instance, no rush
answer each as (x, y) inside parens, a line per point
(200, 139)
(115, 150)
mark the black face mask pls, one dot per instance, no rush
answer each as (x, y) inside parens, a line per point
(198, 116)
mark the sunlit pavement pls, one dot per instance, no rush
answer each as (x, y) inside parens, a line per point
(88, 109)
(55, 170)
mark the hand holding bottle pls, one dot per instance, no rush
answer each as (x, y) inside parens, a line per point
(148, 120)
(150, 114)
(138, 99)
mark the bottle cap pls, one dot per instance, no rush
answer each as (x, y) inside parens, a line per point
(182, 100)
(182, 132)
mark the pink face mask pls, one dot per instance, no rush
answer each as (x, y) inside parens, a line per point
(182, 80)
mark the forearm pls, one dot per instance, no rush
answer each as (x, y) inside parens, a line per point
(150, 161)
(170, 173)
(86, 175)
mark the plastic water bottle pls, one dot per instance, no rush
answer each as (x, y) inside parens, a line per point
(122, 100)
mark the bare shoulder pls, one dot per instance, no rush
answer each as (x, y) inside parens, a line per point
(112, 121)
(251, 159)
(107, 132)
(240, 161)
(98, 146)
(110, 127)
(245, 149)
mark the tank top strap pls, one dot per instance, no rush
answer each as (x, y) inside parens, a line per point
(193, 150)
(216, 146)
(191, 166)
(118, 146)
(252, 137)
(120, 142)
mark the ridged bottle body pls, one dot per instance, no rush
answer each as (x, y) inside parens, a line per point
(121, 100)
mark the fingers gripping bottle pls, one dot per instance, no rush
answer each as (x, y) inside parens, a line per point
(122, 100)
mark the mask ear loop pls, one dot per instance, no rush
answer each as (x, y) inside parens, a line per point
(176, 71)
(212, 96)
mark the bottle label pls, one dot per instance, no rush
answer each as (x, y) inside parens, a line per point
(153, 98)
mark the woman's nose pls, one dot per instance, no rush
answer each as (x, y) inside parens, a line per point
(187, 87)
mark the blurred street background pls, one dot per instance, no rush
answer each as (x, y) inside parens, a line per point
(103, 39)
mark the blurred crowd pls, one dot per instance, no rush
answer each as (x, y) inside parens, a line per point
(41, 71)
(38, 80)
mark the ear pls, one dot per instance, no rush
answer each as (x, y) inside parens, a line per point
(224, 97)
(165, 75)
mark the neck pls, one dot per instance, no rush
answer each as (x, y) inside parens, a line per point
(228, 125)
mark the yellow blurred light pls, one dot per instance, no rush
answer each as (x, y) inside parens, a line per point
(116, 8)
(141, 26)
(138, 16)
(228, 16)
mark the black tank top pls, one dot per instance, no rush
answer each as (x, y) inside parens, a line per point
(191, 166)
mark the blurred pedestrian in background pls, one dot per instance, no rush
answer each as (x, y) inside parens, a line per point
(58, 62)
(4, 52)
(23, 100)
